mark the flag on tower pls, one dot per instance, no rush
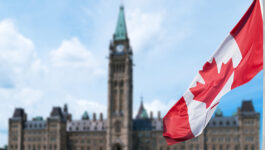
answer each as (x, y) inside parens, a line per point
(237, 61)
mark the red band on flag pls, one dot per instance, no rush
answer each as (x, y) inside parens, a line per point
(236, 62)
(176, 123)
(248, 34)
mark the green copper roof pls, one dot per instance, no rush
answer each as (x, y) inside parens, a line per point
(121, 31)
(219, 113)
(144, 114)
(38, 118)
(85, 116)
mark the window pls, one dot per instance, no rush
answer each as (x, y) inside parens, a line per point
(246, 147)
(227, 139)
(197, 147)
(252, 147)
(121, 83)
(121, 99)
(220, 139)
(182, 148)
(213, 139)
(117, 126)
(227, 123)
(237, 147)
(214, 147)
(53, 139)
(221, 147)
(191, 147)
(227, 147)
(115, 83)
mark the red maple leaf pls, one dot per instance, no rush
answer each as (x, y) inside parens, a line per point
(214, 81)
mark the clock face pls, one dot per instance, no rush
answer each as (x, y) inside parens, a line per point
(119, 48)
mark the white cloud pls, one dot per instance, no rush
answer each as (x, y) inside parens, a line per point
(15, 49)
(29, 96)
(79, 106)
(143, 27)
(37, 66)
(157, 105)
(71, 53)
(12, 98)
(3, 139)
(18, 58)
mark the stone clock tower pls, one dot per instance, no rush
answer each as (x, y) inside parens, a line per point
(120, 89)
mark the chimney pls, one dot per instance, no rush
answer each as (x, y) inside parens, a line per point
(151, 115)
(101, 116)
(94, 117)
(159, 115)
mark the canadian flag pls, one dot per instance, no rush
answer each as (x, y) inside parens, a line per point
(237, 61)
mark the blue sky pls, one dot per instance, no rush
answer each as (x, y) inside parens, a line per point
(54, 52)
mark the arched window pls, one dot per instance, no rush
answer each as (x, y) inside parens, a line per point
(221, 147)
(121, 83)
(121, 100)
(118, 126)
(227, 147)
(227, 123)
(114, 101)
(246, 147)
(191, 147)
(116, 147)
(214, 147)
(237, 147)
(252, 147)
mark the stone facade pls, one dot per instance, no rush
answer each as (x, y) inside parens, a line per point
(120, 131)
(59, 132)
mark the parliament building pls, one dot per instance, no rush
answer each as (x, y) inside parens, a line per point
(120, 131)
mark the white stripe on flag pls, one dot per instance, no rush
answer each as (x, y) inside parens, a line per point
(199, 116)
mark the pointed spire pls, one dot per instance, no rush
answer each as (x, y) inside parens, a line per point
(121, 30)
(142, 101)
(142, 113)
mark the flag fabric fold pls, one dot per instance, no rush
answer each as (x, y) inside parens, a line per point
(237, 61)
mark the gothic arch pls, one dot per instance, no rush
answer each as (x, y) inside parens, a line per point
(117, 126)
(117, 147)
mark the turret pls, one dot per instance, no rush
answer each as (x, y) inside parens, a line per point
(56, 125)
(16, 127)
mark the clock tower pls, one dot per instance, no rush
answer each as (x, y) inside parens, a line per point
(120, 89)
